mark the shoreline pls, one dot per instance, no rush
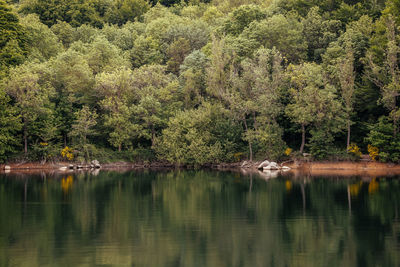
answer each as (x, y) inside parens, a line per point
(317, 168)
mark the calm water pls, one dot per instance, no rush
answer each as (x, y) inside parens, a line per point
(198, 218)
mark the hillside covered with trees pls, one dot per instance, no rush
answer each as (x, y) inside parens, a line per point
(196, 82)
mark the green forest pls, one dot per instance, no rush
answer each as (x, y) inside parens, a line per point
(197, 82)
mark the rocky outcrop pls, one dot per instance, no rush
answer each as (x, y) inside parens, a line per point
(272, 166)
(96, 164)
(263, 164)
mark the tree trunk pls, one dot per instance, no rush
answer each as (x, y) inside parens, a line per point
(255, 121)
(119, 148)
(250, 146)
(303, 138)
(153, 136)
(25, 140)
(348, 133)
(65, 140)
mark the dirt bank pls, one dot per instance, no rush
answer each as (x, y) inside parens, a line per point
(367, 168)
(370, 169)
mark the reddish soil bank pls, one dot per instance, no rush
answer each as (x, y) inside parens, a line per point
(346, 168)
(364, 169)
(37, 166)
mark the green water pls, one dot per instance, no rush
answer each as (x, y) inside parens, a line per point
(198, 218)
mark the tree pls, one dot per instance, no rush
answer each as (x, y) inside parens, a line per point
(116, 91)
(256, 94)
(31, 94)
(82, 128)
(285, 33)
(199, 136)
(43, 43)
(385, 73)
(313, 101)
(156, 99)
(218, 71)
(104, 56)
(73, 80)
(10, 125)
(241, 17)
(346, 78)
(13, 42)
(177, 52)
(319, 33)
(146, 50)
(193, 77)
(74, 12)
(127, 10)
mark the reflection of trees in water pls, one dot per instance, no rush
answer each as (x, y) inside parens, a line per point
(194, 218)
(66, 184)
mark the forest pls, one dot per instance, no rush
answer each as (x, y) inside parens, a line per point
(197, 82)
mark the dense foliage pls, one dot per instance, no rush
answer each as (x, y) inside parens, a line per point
(195, 82)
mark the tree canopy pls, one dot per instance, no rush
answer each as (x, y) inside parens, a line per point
(197, 82)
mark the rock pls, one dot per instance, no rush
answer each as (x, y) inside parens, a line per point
(285, 168)
(95, 172)
(63, 168)
(70, 166)
(96, 164)
(272, 166)
(7, 168)
(263, 164)
(267, 174)
(243, 164)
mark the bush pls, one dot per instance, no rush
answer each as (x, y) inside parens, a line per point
(381, 137)
(199, 136)
(44, 151)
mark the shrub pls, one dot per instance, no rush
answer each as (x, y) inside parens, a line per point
(374, 152)
(381, 137)
(354, 150)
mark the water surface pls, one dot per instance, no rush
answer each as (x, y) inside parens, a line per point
(198, 218)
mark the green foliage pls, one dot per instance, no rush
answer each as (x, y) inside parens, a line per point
(82, 128)
(314, 102)
(123, 11)
(13, 40)
(267, 141)
(10, 124)
(138, 73)
(381, 136)
(43, 43)
(75, 12)
(197, 137)
(241, 18)
(285, 33)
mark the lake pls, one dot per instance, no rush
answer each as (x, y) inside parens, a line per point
(198, 218)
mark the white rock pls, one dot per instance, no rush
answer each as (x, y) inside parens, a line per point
(270, 174)
(64, 168)
(7, 168)
(272, 166)
(285, 168)
(263, 164)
